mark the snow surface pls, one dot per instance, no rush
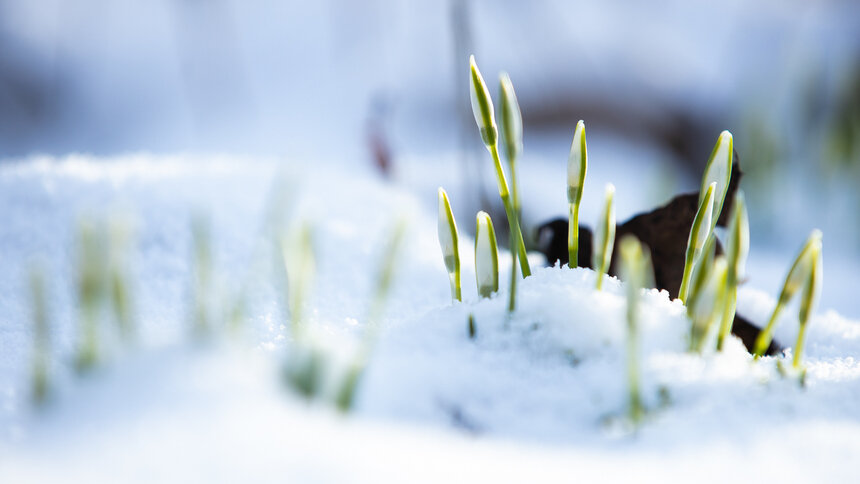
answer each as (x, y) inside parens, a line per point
(537, 396)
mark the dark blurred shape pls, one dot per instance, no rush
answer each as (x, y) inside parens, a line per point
(26, 94)
(377, 137)
(665, 231)
(681, 130)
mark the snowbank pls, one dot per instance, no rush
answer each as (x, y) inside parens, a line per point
(540, 395)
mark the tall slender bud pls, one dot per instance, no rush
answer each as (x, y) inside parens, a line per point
(798, 275)
(577, 165)
(604, 236)
(719, 170)
(448, 241)
(482, 105)
(699, 233)
(511, 119)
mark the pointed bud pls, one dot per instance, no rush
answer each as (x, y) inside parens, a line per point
(448, 241)
(604, 236)
(577, 164)
(719, 170)
(486, 256)
(512, 118)
(482, 105)
(802, 266)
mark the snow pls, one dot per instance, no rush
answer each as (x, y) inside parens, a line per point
(538, 395)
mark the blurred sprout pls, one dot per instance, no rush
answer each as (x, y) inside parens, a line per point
(637, 273)
(118, 279)
(41, 338)
(808, 301)
(486, 256)
(386, 272)
(706, 304)
(448, 240)
(318, 368)
(512, 129)
(298, 253)
(90, 294)
(699, 233)
(202, 286)
(604, 236)
(482, 108)
(719, 170)
(801, 273)
(736, 257)
(577, 164)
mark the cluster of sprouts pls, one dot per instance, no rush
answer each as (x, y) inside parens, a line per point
(710, 281)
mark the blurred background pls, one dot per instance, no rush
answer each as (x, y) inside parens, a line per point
(383, 84)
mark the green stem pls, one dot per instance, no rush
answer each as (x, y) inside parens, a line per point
(728, 318)
(512, 300)
(573, 236)
(798, 346)
(688, 271)
(515, 190)
(513, 222)
(636, 408)
(766, 335)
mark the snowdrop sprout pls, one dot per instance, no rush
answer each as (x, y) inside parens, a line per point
(298, 254)
(512, 129)
(447, 229)
(577, 164)
(707, 304)
(41, 337)
(699, 233)
(798, 275)
(346, 389)
(719, 170)
(604, 236)
(637, 273)
(118, 279)
(202, 285)
(482, 105)
(809, 298)
(387, 268)
(482, 108)
(90, 295)
(736, 257)
(486, 256)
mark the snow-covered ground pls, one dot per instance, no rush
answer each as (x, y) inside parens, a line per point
(538, 396)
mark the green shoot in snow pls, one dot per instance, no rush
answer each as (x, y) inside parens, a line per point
(577, 164)
(482, 108)
(809, 298)
(512, 130)
(41, 338)
(448, 240)
(736, 257)
(90, 295)
(719, 170)
(637, 273)
(604, 236)
(699, 233)
(486, 256)
(297, 250)
(800, 274)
